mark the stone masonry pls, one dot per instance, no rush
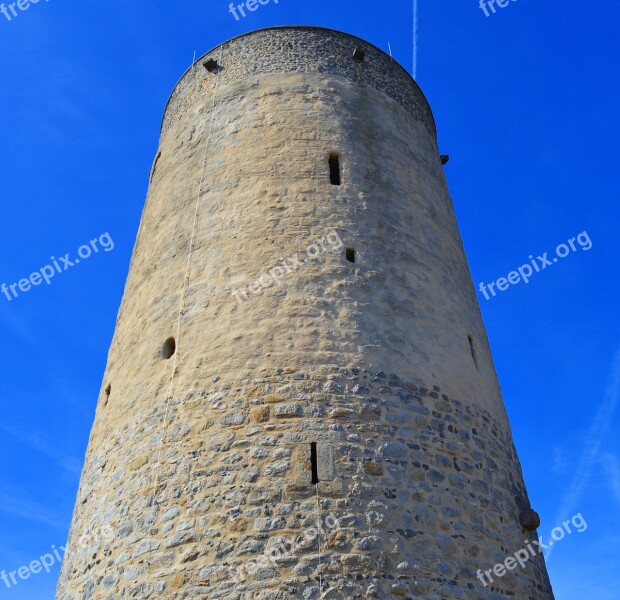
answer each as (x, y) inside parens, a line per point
(340, 434)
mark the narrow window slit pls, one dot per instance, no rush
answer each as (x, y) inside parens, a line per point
(315, 463)
(350, 254)
(472, 349)
(169, 348)
(334, 169)
(107, 392)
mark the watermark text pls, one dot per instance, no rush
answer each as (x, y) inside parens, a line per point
(536, 265)
(59, 265)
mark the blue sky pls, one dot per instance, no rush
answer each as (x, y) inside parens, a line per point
(526, 106)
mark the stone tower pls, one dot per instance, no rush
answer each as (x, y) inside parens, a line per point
(299, 400)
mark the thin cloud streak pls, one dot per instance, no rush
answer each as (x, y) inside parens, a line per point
(560, 463)
(35, 442)
(591, 451)
(613, 472)
(16, 504)
(415, 39)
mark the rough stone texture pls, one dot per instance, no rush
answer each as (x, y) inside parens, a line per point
(205, 478)
(302, 50)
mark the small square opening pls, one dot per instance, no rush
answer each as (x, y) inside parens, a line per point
(211, 65)
(350, 254)
(359, 54)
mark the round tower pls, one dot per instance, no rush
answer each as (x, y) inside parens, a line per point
(299, 400)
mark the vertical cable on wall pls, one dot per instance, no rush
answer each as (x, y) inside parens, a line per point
(184, 288)
(318, 537)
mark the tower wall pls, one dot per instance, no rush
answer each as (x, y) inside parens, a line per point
(374, 377)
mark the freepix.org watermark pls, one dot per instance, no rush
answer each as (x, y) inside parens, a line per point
(251, 5)
(47, 561)
(326, 243)
(531, 549)
(489, 5)
(8, 10)
(285, 548)
(59, 265)
(536, 265)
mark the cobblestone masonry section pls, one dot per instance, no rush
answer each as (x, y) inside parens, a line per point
(426, 488)
(423, 487)
(301, 49)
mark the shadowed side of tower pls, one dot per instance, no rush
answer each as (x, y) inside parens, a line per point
(300, 400)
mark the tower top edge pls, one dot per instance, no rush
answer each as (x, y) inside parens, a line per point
(397, 68)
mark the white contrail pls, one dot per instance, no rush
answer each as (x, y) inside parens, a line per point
(613, 472)
(415, 39)
(36, 442)
(590, 454)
